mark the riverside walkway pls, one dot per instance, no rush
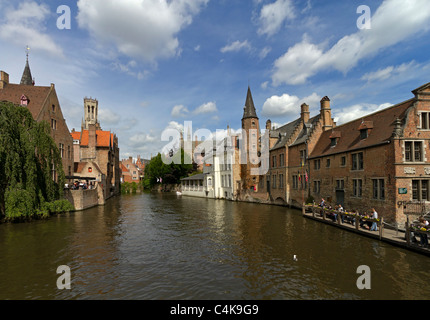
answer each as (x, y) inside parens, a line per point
(389, 235)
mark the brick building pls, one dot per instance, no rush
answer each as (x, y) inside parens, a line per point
(290, 145)
(380, 160)
(93, 145)
(132, 171)
(43, 103)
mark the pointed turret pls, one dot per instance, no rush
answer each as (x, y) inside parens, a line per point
(249, 109)
(27, 79)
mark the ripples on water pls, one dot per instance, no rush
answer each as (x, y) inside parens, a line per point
(159, 246)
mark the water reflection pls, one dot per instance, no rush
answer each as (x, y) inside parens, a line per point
(159, 246)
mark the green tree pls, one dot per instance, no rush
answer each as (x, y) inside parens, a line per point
(170, 173)
(27, 156)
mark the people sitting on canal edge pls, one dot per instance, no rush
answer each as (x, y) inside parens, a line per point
(322, 203)
(341, 210)
(423, 224)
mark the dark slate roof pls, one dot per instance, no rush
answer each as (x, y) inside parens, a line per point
(284, 133)
(304, 134)
(27, 79)
(200, 176)
(249, 110)
(349, 134)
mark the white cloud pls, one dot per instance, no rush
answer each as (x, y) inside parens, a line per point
(209, 107)
(128, 69)
(109, 117)
(273, 15)
(179, 111)
(144, 29)
(264, 52)
(357, 111)
(25, 26)
(390, 26)
(388, 72)
(236, 46)
(286, 105)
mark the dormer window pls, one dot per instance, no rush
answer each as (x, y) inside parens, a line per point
(333, 142)
(365, 128)
(334, 138)
(24, 100)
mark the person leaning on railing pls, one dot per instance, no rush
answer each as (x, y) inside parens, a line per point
(423, 225)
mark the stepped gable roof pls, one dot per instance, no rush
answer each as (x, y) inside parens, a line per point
(284, 133)
(36, 96)
(249, 110)
(304, 134)
(381, 124)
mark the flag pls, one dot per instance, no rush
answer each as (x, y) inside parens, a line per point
(306, 176)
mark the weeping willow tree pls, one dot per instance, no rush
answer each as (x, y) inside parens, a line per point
(28, 155)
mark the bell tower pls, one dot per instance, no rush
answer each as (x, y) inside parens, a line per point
(91, 110)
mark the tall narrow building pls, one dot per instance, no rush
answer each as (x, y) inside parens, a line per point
(26, 78)
(250, 147)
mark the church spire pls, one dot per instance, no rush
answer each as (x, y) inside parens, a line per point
(249, 110)
(27, 79)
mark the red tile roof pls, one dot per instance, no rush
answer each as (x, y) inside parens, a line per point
(103, 138)
(76, 135)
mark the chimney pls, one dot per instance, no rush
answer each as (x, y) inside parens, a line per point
(4, 79)
(305, 115)
(326, 114)
(269, 125)
(92, 142)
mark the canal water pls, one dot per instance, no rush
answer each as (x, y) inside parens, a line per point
(164, 247)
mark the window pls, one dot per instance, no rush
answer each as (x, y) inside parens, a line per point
(61, 150)
(295, 182)
(333, 142)
(317, 187)
(413, 151)
(327, 163)
(281, 160)
(420, 190)
(302, 157)
(274, 182)
(53, 108)
(69, 155)
(53, 124)
(378, 189)
(304, 183)
(343, 161)
(364, 134)
(54, 173)
(357, 161)
(281, 181)
(425, 122)
(340, 184)
(317, 164)
(229, 180)
(274, 162)
(357, 189)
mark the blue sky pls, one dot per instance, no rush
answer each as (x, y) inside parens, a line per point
(154, 64)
